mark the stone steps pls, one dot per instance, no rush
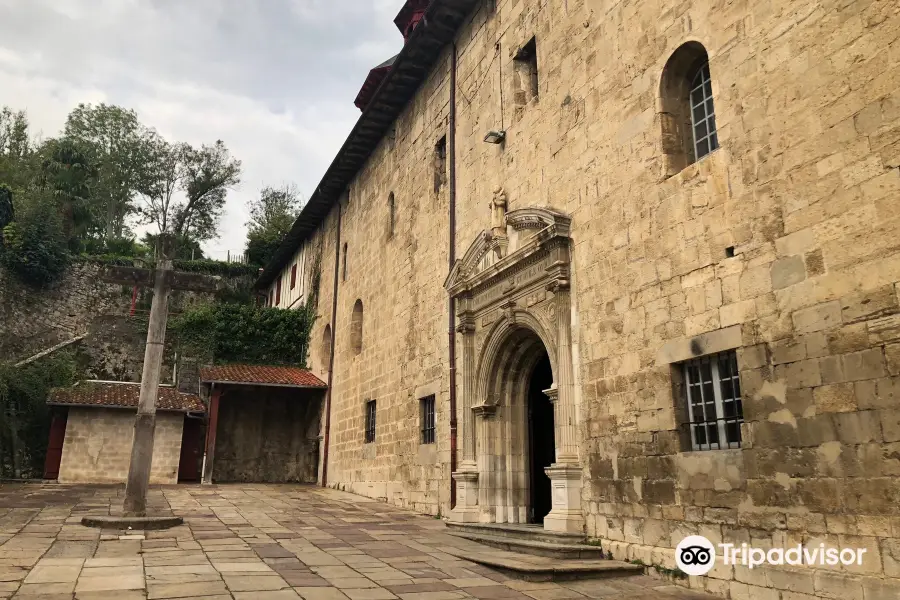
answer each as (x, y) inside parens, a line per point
(534, 533)
(541, 568)
(534, 547)
(530, 552)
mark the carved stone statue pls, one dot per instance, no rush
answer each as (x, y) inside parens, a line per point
(499, 241)
(498, 212)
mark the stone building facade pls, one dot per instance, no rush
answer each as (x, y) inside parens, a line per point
(719, 313)
(96, 423)
(97, 447)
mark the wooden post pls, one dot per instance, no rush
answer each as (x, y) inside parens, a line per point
(145, 423)
(211, 435)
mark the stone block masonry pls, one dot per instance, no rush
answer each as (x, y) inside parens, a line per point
(97, 446)
(785, 237)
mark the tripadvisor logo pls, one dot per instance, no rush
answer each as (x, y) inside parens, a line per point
(696, 555)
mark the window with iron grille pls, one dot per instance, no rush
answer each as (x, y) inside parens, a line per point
(715, 409)
(427, 419)
(370, 421)
(703, 114)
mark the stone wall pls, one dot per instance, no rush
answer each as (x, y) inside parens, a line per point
(33, 319)
(267, 436)
(97, 447)
(788, 233)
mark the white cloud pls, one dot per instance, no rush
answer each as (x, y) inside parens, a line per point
(275, 80)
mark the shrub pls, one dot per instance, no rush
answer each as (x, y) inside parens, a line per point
(34, 246)
(234, 333)
(23, 402)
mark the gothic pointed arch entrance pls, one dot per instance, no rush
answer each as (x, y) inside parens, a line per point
(520, 453)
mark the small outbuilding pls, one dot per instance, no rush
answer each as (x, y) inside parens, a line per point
(92, 429)
(264, 424)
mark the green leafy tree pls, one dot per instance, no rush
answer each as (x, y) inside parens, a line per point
(35, 247)
(69, 174)
(185, 189)
(185, 248)
(15, 149)
(271, 217)
(116, 142)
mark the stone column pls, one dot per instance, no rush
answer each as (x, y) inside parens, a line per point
(466, 475)
(564, 405)
(565, 474)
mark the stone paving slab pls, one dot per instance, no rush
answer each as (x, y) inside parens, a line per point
(267, 542)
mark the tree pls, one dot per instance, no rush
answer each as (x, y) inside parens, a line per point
(69, 174)
(34, 243)
(271, 217)
(15, 149)
(117, 142)
(185, 188)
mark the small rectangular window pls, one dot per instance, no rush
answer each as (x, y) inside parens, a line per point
(293, 277)
(526, 72)
(278, 292)
(440, 164)
(370, 421)
(426, 410)
(714, 406)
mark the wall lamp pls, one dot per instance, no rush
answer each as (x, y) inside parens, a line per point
(495, 137)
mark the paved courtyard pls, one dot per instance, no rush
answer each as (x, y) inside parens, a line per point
(255, 541)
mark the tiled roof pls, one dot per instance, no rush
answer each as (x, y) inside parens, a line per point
(123, 395)
(261, 375)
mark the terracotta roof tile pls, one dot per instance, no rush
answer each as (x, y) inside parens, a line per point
(123, 395)
(261, 375)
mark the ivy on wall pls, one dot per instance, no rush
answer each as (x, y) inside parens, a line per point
(24, 414)
(236, 333)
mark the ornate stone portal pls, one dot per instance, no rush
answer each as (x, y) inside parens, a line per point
(514, 308)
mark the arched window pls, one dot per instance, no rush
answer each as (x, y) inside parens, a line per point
(391, 215)
(687, 114)
(356, 328)
(326, 345)
(703, 114)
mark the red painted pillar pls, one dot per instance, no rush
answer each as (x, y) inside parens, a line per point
(211, 427)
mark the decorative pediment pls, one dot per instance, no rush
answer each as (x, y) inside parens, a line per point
(527, 229)
(469, 265)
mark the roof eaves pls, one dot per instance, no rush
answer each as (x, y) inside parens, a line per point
(263, 384)
(411, 66)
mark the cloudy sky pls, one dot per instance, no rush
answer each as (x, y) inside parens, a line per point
(274, 79)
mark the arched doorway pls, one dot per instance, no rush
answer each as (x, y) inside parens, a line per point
(520, 457)
(515, 423)
(541, 442)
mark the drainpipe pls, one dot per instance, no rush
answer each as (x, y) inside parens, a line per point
(334, 300)
(452, 304)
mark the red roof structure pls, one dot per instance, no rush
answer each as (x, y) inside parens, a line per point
(374, 79)
(410, 16)
(122, 395)
(261, 375)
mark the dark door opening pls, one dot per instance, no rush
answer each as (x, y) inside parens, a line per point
(541, 439)
(55, 445)
(191, 451)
